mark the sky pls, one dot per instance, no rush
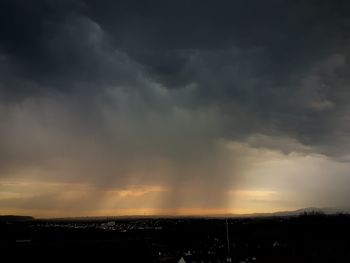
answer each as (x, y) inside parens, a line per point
(167, 107)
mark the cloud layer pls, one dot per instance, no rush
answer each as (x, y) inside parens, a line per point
(124, 95)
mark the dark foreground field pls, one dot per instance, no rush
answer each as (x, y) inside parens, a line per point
(304, 238)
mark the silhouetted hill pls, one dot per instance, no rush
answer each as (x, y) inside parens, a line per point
(15, 218)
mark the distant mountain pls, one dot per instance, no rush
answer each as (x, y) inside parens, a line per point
(324, 210)
(14, 218)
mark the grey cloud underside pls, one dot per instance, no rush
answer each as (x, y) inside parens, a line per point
(129, 79)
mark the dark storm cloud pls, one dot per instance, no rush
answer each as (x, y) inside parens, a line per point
(117, 86)
(161, 32)
(254, 57)
(259, 59)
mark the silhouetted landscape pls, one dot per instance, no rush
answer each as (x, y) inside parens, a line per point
(307, 237)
